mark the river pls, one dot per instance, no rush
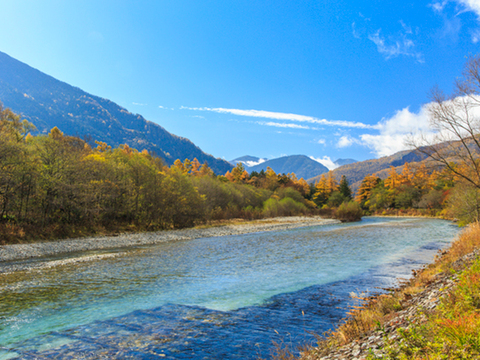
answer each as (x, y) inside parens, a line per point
(228, 297)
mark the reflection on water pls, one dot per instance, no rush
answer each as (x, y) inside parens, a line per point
(224, 297)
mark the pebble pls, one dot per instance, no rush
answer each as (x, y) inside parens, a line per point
(414, 309)
(16, 252)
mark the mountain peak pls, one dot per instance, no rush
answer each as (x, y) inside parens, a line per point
(301, 165)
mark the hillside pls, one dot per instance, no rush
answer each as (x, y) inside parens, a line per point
(340, 162)
(48, 102)
(301, 165)
(355, 172)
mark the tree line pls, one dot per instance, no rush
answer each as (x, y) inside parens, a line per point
(56, 185)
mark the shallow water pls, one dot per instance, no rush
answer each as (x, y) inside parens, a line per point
(223, 297)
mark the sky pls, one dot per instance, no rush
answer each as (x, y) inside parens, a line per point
(326, 79)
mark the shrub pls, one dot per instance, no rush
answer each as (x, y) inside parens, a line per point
(291, 207)
(350, 211)
(336, 199)
(285, 207)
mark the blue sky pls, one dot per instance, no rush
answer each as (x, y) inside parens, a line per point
(334, 79)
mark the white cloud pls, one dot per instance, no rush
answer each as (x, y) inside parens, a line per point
(384, 145)
(346, 141)
(253, 163)
(471, 5)
(284, 125)
(283, 116)
(396, 130)
(139, 104)
(405, 126)
(321, 142)
(325, 161)
(395, 47)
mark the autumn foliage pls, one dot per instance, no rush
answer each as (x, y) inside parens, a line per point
(56, 185)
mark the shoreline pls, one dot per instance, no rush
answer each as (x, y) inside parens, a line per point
(418, 300)
(22, 252)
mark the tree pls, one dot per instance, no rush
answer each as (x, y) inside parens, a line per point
(344, 188)
(321, 191)
(196, 167)
(17, 168)
(393, 179)
(455, 119)
(365, 190)
(332, 184)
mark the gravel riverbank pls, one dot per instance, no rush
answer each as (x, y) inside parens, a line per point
(16, 252)
(414, 310)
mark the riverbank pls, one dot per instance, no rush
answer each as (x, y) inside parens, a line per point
(17, 252)
(434, 315)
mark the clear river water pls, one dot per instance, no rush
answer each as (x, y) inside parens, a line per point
(228, 297)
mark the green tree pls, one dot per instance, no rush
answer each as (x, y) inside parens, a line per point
(344, 188)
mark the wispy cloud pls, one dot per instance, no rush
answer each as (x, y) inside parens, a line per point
(321, 142)
(438, 6)
(451, 17)
(471, 5)
(476, 36)
(355, 33)
(139, 104)
(283, 116)
(164, 107)
(284, 125)
(394, 47)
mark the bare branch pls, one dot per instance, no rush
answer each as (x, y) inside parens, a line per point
(456, 121)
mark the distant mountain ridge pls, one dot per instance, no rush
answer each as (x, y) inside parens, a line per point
(301, 165)
(341, 162)
(48, 102)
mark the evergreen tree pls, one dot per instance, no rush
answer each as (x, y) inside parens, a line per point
(344, 188)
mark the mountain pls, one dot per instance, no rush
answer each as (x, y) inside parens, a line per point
(355, 172)
(48, 102)
(340, 162)
(301, 165)
(247, 161)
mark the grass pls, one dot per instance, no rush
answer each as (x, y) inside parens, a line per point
(452, 331)
(411, 212)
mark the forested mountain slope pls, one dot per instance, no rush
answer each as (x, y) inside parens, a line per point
(355, 172)
(48, 102)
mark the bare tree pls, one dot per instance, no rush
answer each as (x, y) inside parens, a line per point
(455, 121)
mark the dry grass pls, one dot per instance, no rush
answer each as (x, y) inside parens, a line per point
(411, 212)
(375, 312)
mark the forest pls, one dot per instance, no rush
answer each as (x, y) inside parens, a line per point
(56, 186)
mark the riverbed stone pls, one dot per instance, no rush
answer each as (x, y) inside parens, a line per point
(414, 311)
